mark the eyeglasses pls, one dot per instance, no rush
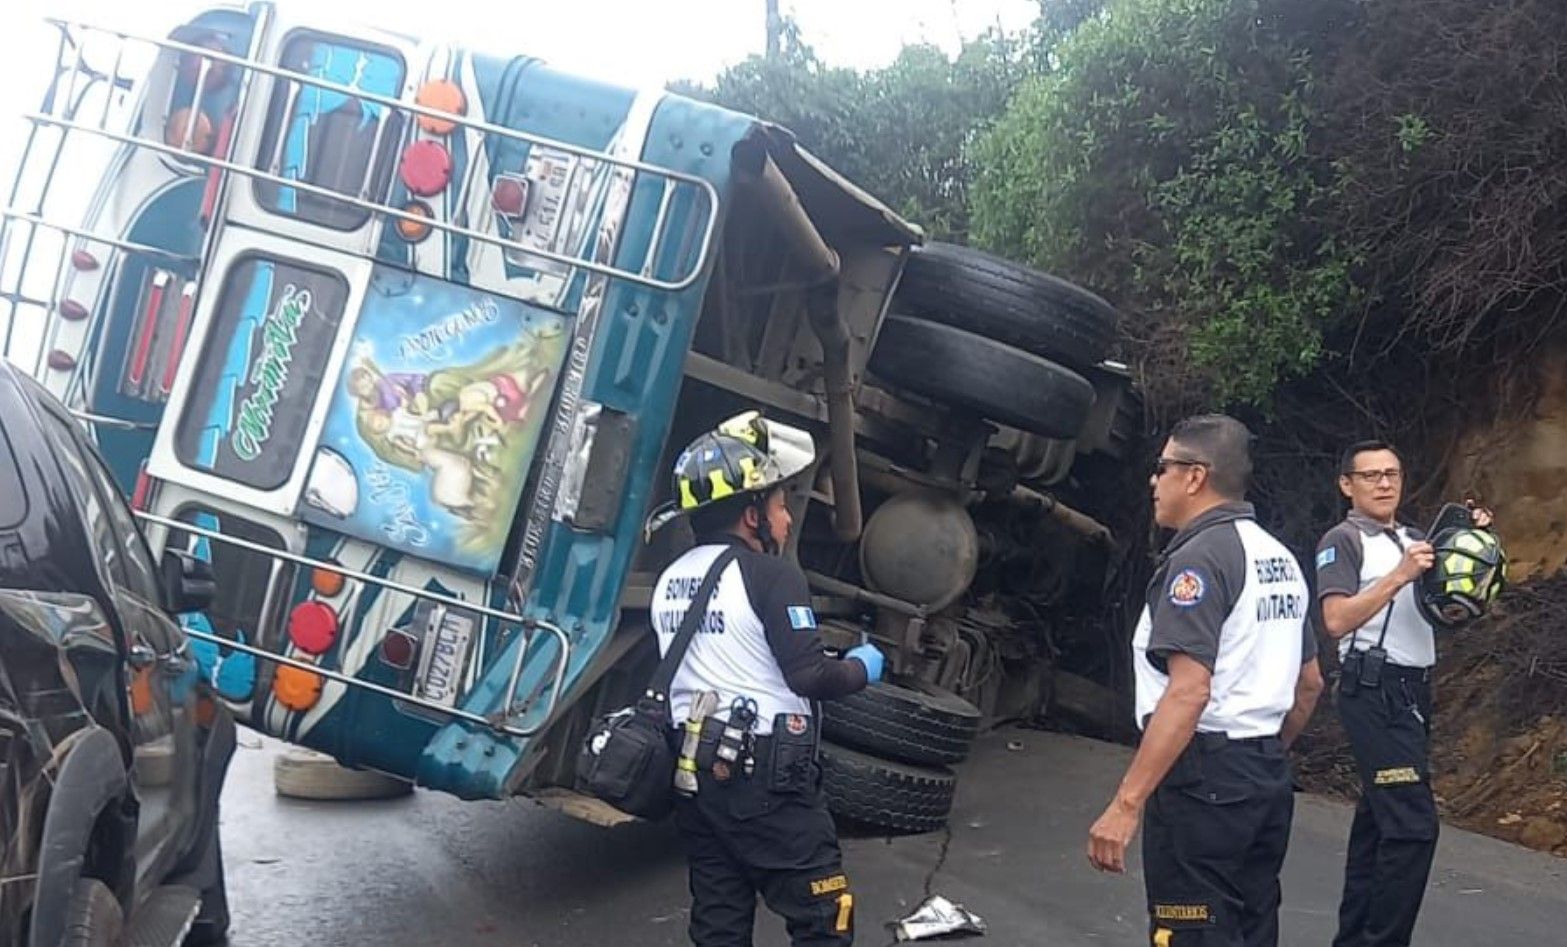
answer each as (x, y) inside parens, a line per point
(1165, 463)
(1368, 477)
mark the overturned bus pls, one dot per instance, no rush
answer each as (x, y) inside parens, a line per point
(403, 339)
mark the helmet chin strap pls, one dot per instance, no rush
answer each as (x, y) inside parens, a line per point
(764, 530)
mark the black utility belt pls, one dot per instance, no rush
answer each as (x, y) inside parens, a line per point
(782, 761)
(1369, 668)
(1214, 742)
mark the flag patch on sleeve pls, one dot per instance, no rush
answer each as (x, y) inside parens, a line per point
(801, 618)
(1327, 557)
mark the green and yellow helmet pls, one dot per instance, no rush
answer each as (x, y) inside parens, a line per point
(745, 454)
(1470, 571)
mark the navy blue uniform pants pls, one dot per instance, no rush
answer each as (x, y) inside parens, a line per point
(1393, 840)
(1214, 839)
(766, 834)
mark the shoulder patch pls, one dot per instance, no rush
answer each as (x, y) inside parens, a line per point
(1187, 588)
(1327, 557)
(801, 618)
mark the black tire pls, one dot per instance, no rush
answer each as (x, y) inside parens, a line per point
(1001, 300)
(888, 795)
(997, 381)
(917, 724)
(93, 918)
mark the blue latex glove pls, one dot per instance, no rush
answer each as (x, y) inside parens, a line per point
(868, 655)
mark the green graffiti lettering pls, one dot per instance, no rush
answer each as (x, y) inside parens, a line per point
(269, 373)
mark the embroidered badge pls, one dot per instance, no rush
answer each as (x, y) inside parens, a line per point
(796, 724)
(1187, 588)
(1327, 557)
(801, 618)
(1398, 776)
(829, 885)
(1180, 912)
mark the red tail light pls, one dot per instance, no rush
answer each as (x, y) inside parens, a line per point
(312, 627)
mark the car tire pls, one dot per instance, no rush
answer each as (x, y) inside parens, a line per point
(916, 723)
(93, 917)
(876, 792)
(306, 774)
(996, 381)
(1013, 304)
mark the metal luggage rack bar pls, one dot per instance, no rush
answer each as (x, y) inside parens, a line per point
(71, 67)
(497, 721)
(640, 274)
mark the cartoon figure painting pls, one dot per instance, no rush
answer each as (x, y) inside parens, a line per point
(439, 421)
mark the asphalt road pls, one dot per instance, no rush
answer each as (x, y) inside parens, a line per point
(431, 870)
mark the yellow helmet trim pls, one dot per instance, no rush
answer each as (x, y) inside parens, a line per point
(743, 427)
(721, 487)
(688, 499)
(750, 474)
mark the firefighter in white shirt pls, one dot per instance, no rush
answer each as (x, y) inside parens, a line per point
(1226, 678)
(758, 823)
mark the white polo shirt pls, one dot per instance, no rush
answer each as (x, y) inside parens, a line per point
(1234, 598)
(1354, 555)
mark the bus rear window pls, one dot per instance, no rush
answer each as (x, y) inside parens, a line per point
(327, 138)
(263, 363)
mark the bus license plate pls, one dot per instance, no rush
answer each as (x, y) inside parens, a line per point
(445, 658)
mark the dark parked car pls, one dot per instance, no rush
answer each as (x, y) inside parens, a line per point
(112, 751)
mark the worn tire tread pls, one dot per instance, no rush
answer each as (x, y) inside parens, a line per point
(886, 794)
(1008, 302)
(905, 724)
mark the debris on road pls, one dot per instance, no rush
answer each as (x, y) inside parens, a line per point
(935, 917)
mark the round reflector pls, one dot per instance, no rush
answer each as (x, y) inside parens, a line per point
(312, 627)
(83, 260)
(426, 168)
(327, 583)
(444, 95)
(296, 689)
(412, 230)
(61, 361)
(72, 310)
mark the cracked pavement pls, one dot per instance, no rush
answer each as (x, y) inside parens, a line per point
(429, 869)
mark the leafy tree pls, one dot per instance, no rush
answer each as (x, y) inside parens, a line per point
(902, 131)
(1167, 160)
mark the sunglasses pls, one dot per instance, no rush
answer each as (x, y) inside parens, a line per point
(1165, 463)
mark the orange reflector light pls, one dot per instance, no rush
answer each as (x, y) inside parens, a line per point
(328, 584)
(412, 230)
(141, 692)
(443, 95)
(312, 627)
(296, 689)
(201, 137)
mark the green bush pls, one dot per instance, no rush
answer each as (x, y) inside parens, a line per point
(1167, 161)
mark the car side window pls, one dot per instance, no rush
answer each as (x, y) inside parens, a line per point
(141, 572)
(69, 453)
(118, 540)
